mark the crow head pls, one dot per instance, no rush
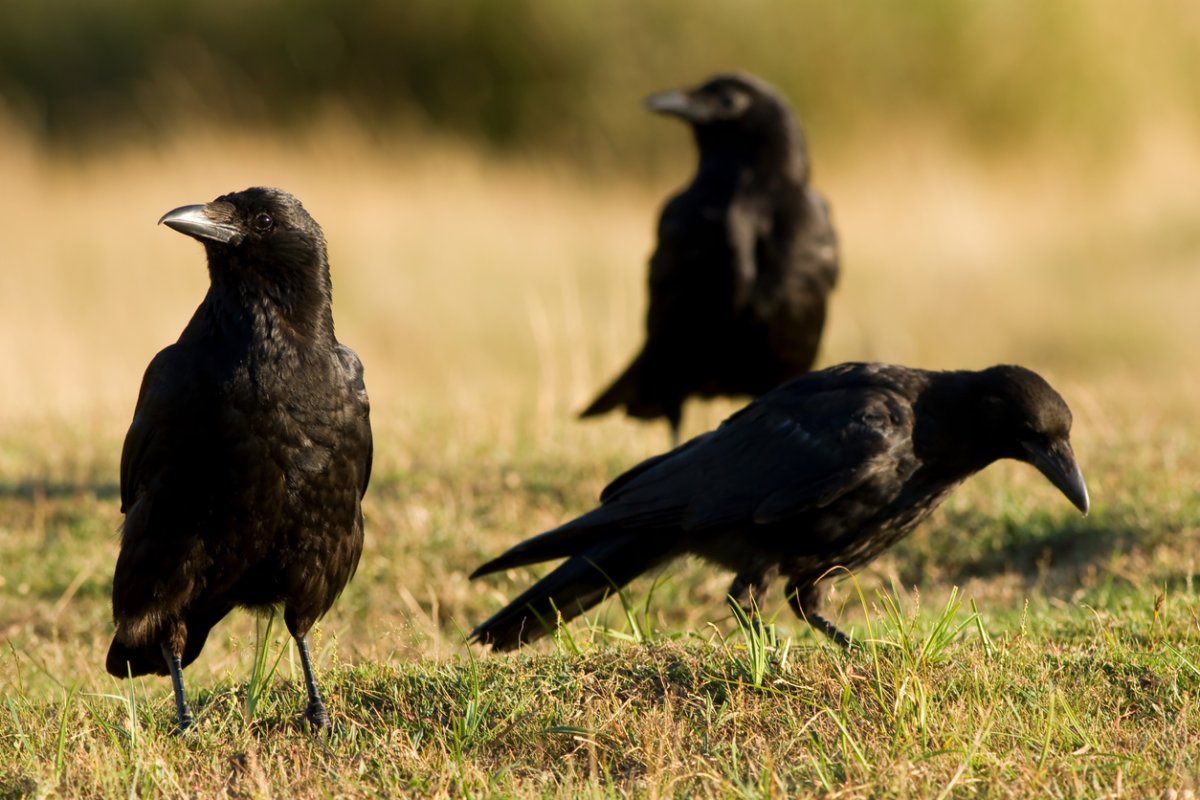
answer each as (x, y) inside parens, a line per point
(1022, 417)
(736, 114)
(262, 244)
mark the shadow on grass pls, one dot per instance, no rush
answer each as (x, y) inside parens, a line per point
(31, 491)
(1039, 547)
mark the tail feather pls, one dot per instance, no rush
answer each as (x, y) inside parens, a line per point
(621, 392)
(124, 661)
(575, 586)
(645, 389)
(578, 535)
(146, 658)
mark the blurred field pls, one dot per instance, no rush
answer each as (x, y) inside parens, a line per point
(462, 277)
(531, 77)
(489, 297)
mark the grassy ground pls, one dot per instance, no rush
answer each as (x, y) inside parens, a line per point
(1013, 648)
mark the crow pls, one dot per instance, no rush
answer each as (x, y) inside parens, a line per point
(746, 258)
(828, 470)
(250, 450)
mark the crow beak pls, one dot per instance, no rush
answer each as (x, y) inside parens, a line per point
(676, 104)
(197, 222)
(1057, 463)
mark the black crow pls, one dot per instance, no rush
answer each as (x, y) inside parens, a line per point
(746, 258)
(827, 470)
(249, 453)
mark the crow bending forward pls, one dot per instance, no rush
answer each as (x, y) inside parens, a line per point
(746, 257)
(828, 470)
(249, 452)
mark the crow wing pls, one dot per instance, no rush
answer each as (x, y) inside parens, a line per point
(799, 447)
(694, 271)
(172, 390)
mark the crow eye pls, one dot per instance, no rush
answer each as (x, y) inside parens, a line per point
(733, 102)
(263, 222)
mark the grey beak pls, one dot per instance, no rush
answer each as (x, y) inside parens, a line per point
(1057, 463)
(674, 102)
(196, 222)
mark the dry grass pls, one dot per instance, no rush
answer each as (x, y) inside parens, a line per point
(488, 300)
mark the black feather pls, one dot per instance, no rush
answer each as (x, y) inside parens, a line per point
(745, 260)
(828, 470)
(250, 449)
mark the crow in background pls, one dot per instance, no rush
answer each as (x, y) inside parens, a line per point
(828, 470)
(249, 452)
(746, 258)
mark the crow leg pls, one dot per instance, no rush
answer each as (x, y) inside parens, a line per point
(316, 714)
(181, 707)
(748, 588)
(802, 597)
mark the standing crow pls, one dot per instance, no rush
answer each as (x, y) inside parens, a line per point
(249, 452)
(746, 257)
(828, 470)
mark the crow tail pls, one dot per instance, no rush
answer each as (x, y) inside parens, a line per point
(576, 585)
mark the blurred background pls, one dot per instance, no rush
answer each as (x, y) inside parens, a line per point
(1012, 182)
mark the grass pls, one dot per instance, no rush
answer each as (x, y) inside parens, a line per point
(1009, 647)
(908, 714)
